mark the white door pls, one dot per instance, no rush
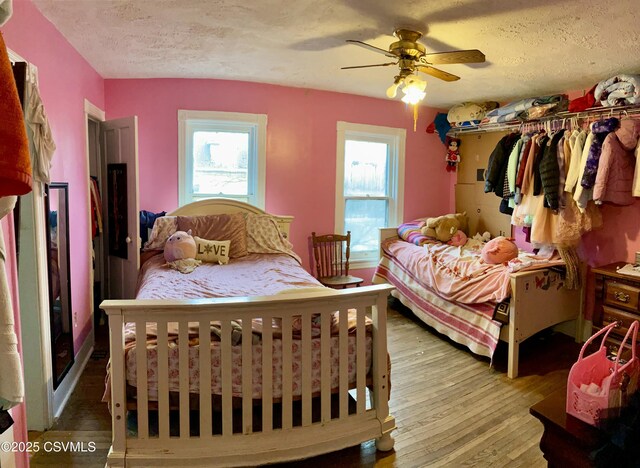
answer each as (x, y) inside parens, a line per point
(120, 147)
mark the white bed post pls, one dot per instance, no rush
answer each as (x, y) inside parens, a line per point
(380, 374)
(117, 453)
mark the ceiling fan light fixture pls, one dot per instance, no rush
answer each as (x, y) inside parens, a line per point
(414, 90)
(393, 89)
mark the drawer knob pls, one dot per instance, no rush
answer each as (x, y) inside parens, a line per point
(621, 297)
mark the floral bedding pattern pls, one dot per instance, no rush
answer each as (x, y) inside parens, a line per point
(256, 364)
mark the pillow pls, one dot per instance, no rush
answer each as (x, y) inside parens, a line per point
(163, 228)
(231, 227)
(264, 236)
(212, 251)
(410, 232)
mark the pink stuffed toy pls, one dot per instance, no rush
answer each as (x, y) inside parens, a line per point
(180, 246)
(458, 239)
(499, 250)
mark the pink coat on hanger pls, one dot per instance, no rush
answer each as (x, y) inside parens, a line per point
(614, 179)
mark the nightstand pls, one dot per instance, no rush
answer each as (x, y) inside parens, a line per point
(616, 299)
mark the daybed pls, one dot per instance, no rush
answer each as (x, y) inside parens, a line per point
(463, 311)
(318, 379)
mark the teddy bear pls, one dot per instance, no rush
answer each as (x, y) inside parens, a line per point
(444, 227)
(453, 154)
(499, 250)
(180, 252)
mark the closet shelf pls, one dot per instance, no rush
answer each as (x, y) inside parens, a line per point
(551, 120)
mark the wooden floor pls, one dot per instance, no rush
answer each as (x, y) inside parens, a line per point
(451, 408)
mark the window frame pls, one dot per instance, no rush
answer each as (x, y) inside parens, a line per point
(190, 121)
(395, 138)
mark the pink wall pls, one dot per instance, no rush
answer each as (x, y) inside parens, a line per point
(65, 80)
(301, 144)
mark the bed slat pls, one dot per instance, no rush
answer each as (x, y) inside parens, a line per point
(163, 381)
(325, 366)
(141, 380)
(204, 332)
(247, 382)
(225, 358)
(183, 372)
(344, 363)
(287, 375)
(118, 393)
(267, 374)
(306, 369)
(361, 380)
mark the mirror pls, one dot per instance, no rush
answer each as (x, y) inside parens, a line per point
(57, 219)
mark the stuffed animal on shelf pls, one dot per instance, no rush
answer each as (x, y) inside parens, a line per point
(453, 154)
(180, 252)
(499, 250)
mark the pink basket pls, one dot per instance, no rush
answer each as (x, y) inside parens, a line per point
(615, 380)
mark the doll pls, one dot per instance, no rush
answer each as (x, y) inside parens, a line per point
(453, 154)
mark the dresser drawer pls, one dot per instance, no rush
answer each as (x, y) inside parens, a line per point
(621, 295)
(610, 315)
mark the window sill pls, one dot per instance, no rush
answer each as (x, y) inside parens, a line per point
(362, 264)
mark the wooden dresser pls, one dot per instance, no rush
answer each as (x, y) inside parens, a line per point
(616, 299)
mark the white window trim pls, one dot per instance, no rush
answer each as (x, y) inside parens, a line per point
(184, 163)
(396, 175)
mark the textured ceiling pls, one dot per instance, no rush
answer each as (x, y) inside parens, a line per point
(532, 46)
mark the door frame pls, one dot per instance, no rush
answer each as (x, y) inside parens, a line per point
(91, 112)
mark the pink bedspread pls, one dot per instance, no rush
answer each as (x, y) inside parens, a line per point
(252, 275)
(458, 273)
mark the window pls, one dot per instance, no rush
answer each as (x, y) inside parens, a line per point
(221, 154)
(369, 186)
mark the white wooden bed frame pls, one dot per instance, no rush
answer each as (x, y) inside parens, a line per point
(370, 420)
(530, 310)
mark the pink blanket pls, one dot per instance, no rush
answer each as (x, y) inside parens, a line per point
(251, 275)
(458, 273)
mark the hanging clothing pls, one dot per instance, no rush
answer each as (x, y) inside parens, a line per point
(574, 165)
(636, 178)
(550, 171)
(600, 129)
(43, 144)
(581, 194)
(11, 383)
(614, 179)
(15, 165)
(497, 166)
(96, 208)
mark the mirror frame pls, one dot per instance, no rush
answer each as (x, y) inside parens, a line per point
(63, 189)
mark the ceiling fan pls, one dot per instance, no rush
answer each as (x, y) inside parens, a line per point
(411, 56)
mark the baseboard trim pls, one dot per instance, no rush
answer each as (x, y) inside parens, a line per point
(62, 394)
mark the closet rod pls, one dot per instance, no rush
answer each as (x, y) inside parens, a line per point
(588, 114)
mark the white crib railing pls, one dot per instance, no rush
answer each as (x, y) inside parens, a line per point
(244, 430)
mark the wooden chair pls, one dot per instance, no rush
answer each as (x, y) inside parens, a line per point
(331, 253)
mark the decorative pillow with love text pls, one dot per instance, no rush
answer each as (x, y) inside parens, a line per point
(212, 251)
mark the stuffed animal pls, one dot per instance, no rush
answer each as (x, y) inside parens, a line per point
(458, 239)
(484, 237)
(453, 154)
(445, 227)
(441, 228)
(499, 250)
(180, 246)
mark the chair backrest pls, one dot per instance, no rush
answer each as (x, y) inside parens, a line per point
(331, 254)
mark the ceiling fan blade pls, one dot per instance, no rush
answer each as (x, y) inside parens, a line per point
(369, 66)
(443, 75)
(370, 47)
(456, 56)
